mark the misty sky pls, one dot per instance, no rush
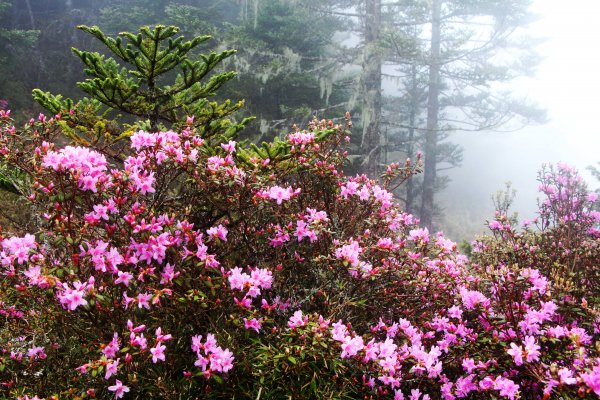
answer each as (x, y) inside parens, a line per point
(567, 84)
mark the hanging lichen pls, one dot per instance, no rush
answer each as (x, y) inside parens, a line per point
(255, 6)
(264, 126)
(244, 10)
(326, 86)
(292, 60)
(280, 64)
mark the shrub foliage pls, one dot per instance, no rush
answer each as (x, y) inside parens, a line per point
(184, 266)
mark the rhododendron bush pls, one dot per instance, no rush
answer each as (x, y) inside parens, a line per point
(180, 268)
(182, 264)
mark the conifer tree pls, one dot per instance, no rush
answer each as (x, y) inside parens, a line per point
(139, 85)
(16, 47)
(288, 71)
(461, 54)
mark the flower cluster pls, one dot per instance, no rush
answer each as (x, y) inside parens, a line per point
(186, 234)
(250, 283)
(211, 357)
(88, 167)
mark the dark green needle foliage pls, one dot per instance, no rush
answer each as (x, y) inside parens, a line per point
(153, 76)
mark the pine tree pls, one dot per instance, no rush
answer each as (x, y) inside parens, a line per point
(15, 51)
(138, 85)
(15, 47)
(363, 20)
(465, 48)
(371, 88)
(285, 65)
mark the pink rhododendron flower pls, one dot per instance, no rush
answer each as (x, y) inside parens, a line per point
(246, 302)
(73, 298)
(261, 277)
(218, 232)
(302, 231)
(496, 225)
(36, 352)
(351, 346)
(364, 193)
(385, 243)
(111, 349)
(252, 324)
(88, 165)
(17, 248)
(506, 387)
(280, 194)
(517, 353)
(339, 331)
(446, 391)
(465, 385)
(566, 376)
(419, 235)
(300, 138)
(36, 278)
(119, 389)
(315, 216)
(580, 336)
(142, 181)
(469, 365)
(158, 352)
(363, 269)
(455, 312)
(473, 298)
(387, 348)
(82, 369)
(229, 147)
(168, 274)
(111, 368)
(253, 282)
(445, 244)
(349, 253)
(531, 349)
(138, 340)
(592, 379)
(210, 355)
(539, 282)
(124, 278)
(143, 300)
(160, 337)
(221, 360)
(135, 329)
(297, 320)
(280, 238)
(348, 189)
(141, 139)
(415, 394)
(382, 196)
(101, 212)
(211, 343)
(487, 383)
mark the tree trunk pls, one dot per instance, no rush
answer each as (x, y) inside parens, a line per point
(31, 17)
(433, 109)
(412, 120)
(371, 90)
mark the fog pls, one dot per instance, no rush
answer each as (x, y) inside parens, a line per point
(567, 85)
